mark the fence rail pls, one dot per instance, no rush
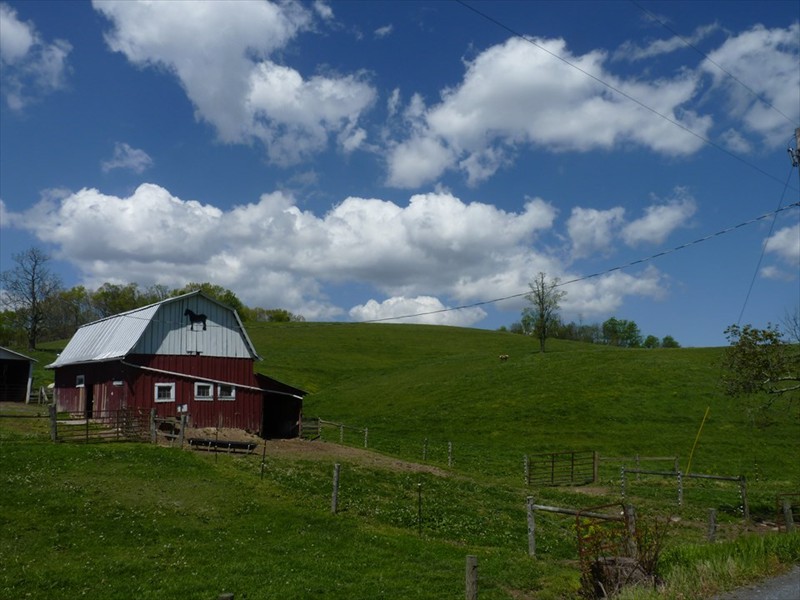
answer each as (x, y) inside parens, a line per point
(561, 468)
(113, 425)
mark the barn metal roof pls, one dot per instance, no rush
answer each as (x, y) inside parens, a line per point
(114, 337)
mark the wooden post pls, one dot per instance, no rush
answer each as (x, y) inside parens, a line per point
(527, 466)
(472, 578)
(87, 427)
(341, 434)
(335, 497)
(630, 526)
(419, 508)
(449, 454)
(680, 488)
(152, 425)
(745, 506)
(366, 436)
(788, 517)
(53, 423)
(263, 459)
(712, 525)
(183, 428)
(531, 528)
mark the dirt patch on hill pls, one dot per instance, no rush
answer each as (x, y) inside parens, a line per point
(316, 450)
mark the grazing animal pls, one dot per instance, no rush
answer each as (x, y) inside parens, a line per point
(195, 318)
(504, 357)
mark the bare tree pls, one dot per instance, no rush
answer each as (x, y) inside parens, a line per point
(27, 288)
(544, 298)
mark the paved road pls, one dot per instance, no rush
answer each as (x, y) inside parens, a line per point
(783, 587)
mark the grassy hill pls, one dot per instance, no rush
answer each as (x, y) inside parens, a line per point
(132, 520)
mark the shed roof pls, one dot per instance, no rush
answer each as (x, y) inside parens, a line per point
(113, 338)
(6, 354)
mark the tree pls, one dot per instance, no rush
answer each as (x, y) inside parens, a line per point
(544, 298)
(27, 289)
(651, 341)
(217, 292)
(621, 332)
(759, 360)
(669, 342)
(112, 299)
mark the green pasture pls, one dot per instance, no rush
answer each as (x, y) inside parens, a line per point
(119, 520)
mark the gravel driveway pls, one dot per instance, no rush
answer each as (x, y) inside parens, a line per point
(783, 587)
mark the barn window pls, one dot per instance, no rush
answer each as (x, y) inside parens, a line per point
(80, 381)
(226, 392)
(203, 391)
(165, 392)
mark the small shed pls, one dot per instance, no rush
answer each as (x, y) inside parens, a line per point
(188, 355)
(16, 376)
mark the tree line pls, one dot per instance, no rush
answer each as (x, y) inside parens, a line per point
(540, 319)
(38, 308)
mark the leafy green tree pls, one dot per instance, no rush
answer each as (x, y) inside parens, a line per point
(544, 298)
(67, 310)
(27, 290)
(761, 361)
(651, 341)
(669, 342)
(111, 299)
(217, 292)
(621, 332)
(273, 315)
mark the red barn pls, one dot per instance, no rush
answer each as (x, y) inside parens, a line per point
(185, 355)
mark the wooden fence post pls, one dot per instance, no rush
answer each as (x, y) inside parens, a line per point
(531, 528)
(788, 517)
(183, 428)
(472, 578)
(53, 423)
(527, 469)
(152, 425)
(630, 526)
(341, 434)
(712, 524)
(745, 506)
(335, 497)
(366, 436)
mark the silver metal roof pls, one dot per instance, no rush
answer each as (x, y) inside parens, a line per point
(160, 329)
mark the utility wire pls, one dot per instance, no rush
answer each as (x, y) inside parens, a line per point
(615, 89)
(755, 94)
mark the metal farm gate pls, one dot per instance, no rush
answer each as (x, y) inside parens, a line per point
(561, 468)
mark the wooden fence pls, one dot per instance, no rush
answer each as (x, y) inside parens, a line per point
(114, 425)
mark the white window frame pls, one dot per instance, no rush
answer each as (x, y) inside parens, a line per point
(222, 398)
(171, 386)
(80, 381)
(198, 397)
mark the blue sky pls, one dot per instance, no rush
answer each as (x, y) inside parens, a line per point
(352, 161)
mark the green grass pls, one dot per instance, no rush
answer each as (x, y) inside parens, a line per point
(121, 521)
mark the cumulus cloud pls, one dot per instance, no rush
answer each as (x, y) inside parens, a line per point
(126, 157)
(660, 220)
(516, 93)
(31, 67)
(433, 252)
(604, 295)
(222, 59)
(593, 231)
(766, 60)
(785, 245)
(422, 309)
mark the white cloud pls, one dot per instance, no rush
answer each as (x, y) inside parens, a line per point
(660, 220)
(31, 67)
(435, 251)
(126, 157)
(323, 10)
(735, 142)
(765, 60)
(785, 243)
(604, 295)
(425, 309)
(592, 231)
(515, 94)
(382, 32)
(221, 58)
(634, 52)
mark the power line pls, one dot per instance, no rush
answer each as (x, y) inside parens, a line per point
(615, 89)
(755, 94)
